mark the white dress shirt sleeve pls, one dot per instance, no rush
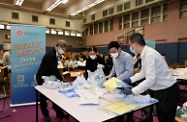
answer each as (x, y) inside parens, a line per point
(150, 69)
(138, 76)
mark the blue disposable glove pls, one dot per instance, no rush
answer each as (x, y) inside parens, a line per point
(127, 91)
(100, 85)
(122, 84)
(128, 81)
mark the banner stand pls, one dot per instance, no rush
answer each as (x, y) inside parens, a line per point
(28, 46)
(25, 104)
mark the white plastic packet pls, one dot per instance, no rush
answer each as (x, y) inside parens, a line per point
(88, 101)
(89, 73)
(184, 116)
(79, 81)
(51, 84)
(100, 66)
(50, 78)
(184, 107)
(139, 99)
(97, 77)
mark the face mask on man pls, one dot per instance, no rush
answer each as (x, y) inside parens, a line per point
(132, 51)
(92, 57)
(60, 51)
(114, 55)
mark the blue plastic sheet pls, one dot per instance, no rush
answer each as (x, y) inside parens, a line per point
(69, 92)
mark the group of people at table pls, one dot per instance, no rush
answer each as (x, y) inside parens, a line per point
(154, 70)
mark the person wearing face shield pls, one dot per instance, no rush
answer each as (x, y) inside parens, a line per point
(94, 61)
(48, 67)
(158, 79)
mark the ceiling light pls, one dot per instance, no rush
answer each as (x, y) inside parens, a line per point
(54, 5)
(79, 34)
(19, 2)
(73, 33)
(86, 7)
(47, 31)
(67, 33)
(60, 32)
(53, 31)
(8, 27)
(65, 1)
(2, 26)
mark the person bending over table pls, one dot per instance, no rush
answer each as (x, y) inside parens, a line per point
(123, 67)
(158, 78)
(48, 67)
(94, 61)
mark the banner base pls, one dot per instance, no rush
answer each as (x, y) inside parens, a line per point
(24, 104)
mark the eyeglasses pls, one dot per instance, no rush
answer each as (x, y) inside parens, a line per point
(64, 49)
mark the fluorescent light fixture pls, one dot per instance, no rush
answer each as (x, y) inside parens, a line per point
(67, 33)
(8, 27)
(2, 26)
(53, 31)
(86, 7)
(65, 1)
(60, 33)
(54, 5)
(79, 34)
(73, 33)
(19, 2)
(47, 31)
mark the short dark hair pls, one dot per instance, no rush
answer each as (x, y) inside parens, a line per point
(92, 49)
(113, 44)
(138, 38)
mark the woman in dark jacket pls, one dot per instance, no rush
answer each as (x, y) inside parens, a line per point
(94, 61)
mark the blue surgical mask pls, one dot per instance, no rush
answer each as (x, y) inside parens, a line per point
(132, 51)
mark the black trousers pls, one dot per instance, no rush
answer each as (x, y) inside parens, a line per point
(43, 107)
(43, 103)
(167, 105)
(5, 72)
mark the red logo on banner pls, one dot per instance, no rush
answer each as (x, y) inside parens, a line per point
(19, 33)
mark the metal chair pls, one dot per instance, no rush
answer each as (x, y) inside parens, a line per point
(4, 97)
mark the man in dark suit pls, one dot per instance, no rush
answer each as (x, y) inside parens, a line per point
(48, 67)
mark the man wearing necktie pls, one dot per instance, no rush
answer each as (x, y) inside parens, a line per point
(48, 67)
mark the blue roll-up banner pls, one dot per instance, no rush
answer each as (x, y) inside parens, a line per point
(27, 50)
(150, 43)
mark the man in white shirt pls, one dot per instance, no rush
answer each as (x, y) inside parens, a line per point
(6, 60)
(158, 78)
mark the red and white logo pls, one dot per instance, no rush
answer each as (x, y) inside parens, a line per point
(19, 33)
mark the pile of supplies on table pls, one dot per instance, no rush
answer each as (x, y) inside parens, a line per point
(182, 111)
(89, 91)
